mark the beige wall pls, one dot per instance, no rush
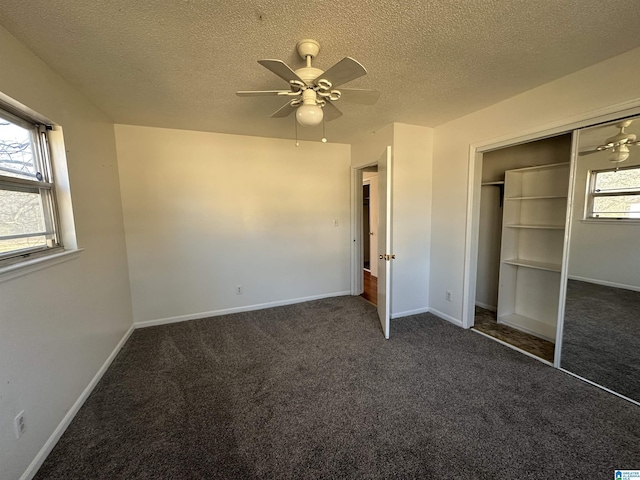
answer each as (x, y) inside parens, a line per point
(411, 218)
(370, 148)
(608, 83)
(205, 212)
(59, 325)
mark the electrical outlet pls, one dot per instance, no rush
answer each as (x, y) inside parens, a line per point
(239, 290)
(448, 295)
(19, 425)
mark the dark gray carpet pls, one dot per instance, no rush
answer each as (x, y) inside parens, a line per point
(601, 340)
(314, 391)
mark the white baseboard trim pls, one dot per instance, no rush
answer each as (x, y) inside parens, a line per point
(605, 283)
(39, 459)
(227, 311)
(446, 317)
(530, 331)
(408, 313)
(486, 306)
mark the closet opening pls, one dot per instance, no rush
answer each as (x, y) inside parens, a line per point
(523, 208)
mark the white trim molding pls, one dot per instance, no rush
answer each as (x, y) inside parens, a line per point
(605, 283)
(446, 317)
(408, 313)
(227, 311)
(39, 459)
(29, 266)
(486, 306)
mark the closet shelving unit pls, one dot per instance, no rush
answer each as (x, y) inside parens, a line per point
(533, 223)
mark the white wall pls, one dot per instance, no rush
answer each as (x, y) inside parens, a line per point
(489, 241)
(610, 82)
(411, 218)
(205, 212)
(541, 152)
(605, 252)
(412, 148)
(59, 325)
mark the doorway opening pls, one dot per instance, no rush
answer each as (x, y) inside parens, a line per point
(379, 255)
(370, 206)
(523, 205)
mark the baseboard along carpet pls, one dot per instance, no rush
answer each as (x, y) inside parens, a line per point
(313, 390)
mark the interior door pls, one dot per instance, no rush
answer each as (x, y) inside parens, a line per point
(384, 240)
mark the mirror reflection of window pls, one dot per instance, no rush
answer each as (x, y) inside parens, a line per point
(614, 193)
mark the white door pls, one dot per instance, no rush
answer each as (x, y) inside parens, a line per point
(384, 240)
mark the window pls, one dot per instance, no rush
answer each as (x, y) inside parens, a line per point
(614, 194)
(28, 217)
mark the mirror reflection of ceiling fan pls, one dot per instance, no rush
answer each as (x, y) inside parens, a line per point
(314, 89)
(618, 144)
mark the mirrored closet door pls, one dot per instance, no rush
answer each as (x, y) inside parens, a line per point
(601, 329)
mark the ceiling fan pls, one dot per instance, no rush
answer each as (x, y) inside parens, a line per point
(618, 144)
(314, 89)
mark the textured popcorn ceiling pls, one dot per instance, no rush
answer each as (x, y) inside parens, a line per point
(178, 63)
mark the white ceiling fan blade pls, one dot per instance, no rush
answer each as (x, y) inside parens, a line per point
(360, 95)
(284, 111)
(281, 69)
(342, 72)
(261, 93)
(331, 112)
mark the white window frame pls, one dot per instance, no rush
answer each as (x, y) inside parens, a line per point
(44, 186)
(592, 194)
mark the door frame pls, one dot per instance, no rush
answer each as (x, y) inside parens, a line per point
(357, 250)
(476, 151)
(364, 238)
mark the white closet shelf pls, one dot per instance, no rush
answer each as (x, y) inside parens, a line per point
(533, 225)
(541, 227)
(499, 182)
(551, 267)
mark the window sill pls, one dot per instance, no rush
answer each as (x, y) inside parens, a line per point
(609, 221)
(29, 266)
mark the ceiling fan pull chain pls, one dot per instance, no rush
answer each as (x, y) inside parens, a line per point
(324, 137)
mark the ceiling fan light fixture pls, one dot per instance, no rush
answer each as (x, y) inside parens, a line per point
(619, 154)
(309, 115)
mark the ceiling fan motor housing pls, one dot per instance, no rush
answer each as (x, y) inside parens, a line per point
(309, 74)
